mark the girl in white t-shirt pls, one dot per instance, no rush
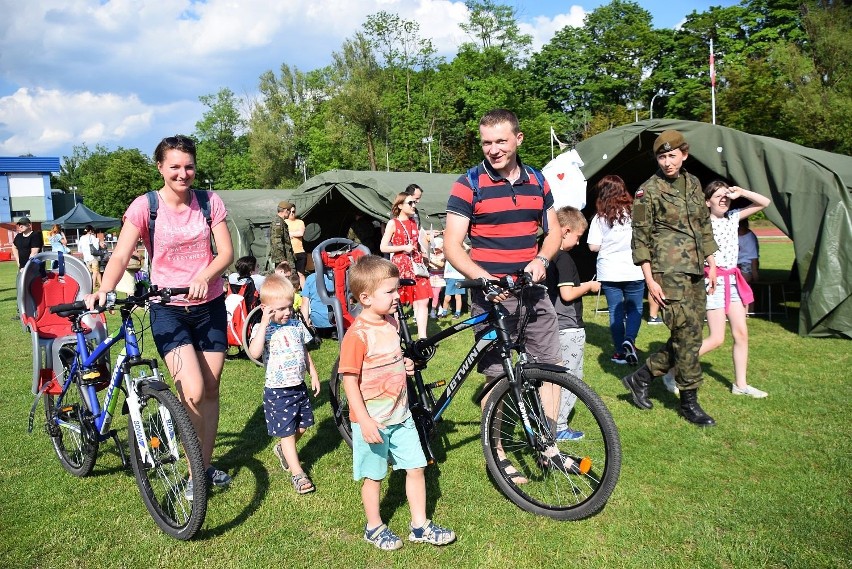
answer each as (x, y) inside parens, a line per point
(189, 332)
(622, 282)
(732, 292)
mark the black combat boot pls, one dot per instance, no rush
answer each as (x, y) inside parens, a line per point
(692, 411)
(637, 384)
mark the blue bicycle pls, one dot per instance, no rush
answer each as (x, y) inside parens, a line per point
(164, 448)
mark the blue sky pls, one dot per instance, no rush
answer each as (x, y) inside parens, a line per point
(128, 72)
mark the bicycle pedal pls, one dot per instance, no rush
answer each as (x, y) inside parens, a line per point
(436, 384)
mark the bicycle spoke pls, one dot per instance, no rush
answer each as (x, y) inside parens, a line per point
(565, 479)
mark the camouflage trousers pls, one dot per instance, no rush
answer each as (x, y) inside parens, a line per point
(685, 320)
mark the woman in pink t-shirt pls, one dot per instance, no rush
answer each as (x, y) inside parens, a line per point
(189, 332)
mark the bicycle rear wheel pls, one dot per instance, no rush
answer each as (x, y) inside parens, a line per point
(252, 320)
(562, 479)
(164, 484)
(69, 425)
(339, 404)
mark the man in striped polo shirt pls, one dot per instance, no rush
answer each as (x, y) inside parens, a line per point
(502, 223)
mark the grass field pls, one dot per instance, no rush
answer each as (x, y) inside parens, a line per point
(768, 487)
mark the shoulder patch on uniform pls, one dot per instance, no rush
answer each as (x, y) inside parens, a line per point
(639, 193)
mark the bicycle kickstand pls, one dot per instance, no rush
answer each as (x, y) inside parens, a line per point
(124, 462)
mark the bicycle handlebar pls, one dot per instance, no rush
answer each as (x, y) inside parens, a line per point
(111, 301)
(508, 283)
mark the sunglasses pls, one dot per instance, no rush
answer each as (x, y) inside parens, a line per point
(179, 142)
(411, 203)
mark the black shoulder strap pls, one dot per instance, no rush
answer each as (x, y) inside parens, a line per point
(153, 205)
(203, 199)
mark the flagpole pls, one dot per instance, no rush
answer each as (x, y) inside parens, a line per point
(712, 81)
(552, 136)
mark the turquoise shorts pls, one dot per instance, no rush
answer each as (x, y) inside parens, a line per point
(400, 447)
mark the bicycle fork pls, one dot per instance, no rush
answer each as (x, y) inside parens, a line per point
(134, 405)
(423, 421)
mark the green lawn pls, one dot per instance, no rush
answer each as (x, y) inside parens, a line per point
(768, 487)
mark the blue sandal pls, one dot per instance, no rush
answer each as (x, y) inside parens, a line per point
(431, 533)
(383, 538)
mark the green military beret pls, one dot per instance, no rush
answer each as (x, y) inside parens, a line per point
(667, 141)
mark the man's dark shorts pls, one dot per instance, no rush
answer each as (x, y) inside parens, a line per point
(542, 333)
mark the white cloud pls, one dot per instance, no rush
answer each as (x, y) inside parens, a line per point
(127, 72)
(543, 28)
(40, 121)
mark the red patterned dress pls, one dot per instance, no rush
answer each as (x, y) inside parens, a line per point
(405, 232)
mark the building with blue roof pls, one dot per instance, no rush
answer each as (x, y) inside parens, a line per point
(25, 188)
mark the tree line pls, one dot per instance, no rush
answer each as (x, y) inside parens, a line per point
(388, 101)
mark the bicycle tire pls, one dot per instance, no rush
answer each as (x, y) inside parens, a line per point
(339, 404)
(162, 486)
(252, 319)
(551, 488)
(75, 445)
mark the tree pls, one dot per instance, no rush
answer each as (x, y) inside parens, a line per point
(406, 78)
(357, 83)
(281, 121)
(109, 181)
(494, 25)
(221, 142)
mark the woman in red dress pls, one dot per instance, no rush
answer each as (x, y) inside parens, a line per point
(401, 240)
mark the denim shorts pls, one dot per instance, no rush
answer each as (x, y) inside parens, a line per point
(200, 325)
(453, 287)
(400, 447)
(717, 299)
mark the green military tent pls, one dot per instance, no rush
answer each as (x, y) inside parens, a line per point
(332, 197)
(250, 214)
(810, 193)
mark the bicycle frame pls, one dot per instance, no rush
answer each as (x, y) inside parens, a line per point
(128, 358)
(423, 349)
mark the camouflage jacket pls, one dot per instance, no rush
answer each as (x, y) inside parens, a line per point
(281, 249)
(671, 228)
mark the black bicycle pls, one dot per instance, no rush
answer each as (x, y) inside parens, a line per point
(562, 479)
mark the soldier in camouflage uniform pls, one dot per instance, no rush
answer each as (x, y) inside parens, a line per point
(279, 240)
(672, 237)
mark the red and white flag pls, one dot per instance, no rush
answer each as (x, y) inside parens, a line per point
(712, 66)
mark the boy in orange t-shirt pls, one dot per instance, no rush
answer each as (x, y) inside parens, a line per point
(383, 432)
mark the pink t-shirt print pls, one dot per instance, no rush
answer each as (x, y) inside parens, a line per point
(183, 242)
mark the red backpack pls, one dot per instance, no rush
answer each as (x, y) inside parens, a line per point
(240, 301)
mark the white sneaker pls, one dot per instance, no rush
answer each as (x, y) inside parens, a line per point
(669, 382)
(750, 391)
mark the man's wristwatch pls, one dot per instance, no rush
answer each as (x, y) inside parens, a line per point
(544, 260)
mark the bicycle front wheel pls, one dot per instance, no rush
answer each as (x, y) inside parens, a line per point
(252, 319)
(567, 478)
(173, 485)
(69, 424)
(339, 404)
